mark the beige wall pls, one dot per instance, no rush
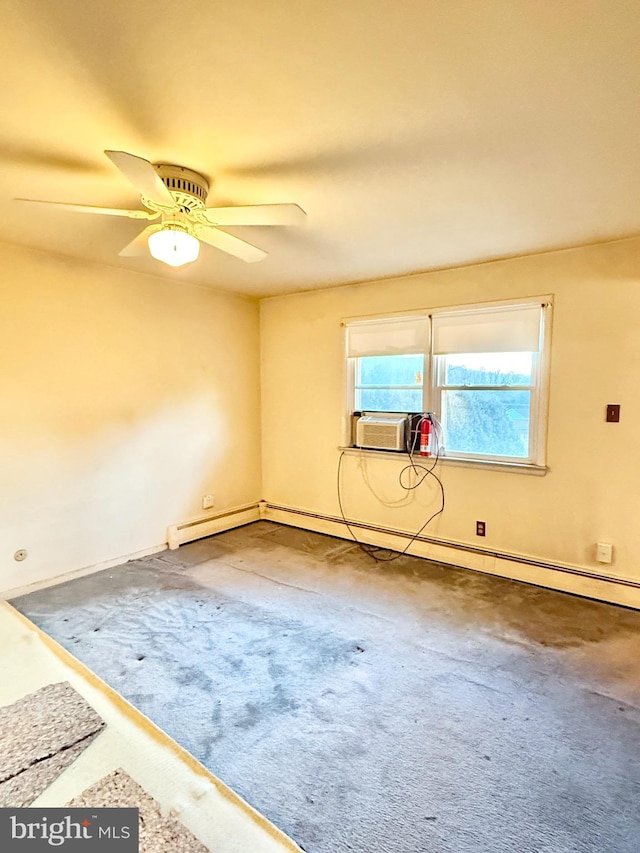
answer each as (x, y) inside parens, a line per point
(125, 398)
(591, 491)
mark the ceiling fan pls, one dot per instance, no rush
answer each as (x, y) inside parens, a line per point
(174, 201)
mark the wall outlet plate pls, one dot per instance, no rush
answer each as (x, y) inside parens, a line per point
(481, 529)
(604, 552)
(207, 502)
(613, 413)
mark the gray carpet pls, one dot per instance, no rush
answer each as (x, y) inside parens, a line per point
(400, 708)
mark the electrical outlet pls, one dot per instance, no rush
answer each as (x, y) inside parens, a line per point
(604, 552)
(207, 502)
(613, 413)
(480, 528)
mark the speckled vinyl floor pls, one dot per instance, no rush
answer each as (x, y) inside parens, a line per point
(40, 736)
(377, 708)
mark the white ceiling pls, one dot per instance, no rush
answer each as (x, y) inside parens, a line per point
(416, 134)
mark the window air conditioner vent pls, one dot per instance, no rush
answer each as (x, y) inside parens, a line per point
(382, 432)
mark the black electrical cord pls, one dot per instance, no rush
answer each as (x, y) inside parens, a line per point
(375, 551)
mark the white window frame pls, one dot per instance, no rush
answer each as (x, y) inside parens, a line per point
(438, 386)
(433, 383)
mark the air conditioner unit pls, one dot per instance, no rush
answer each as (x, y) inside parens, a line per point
(382, 431)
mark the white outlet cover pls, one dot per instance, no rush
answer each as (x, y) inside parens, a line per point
(604, 552)
(207, 502)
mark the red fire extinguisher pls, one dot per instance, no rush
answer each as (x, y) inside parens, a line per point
(425, 436)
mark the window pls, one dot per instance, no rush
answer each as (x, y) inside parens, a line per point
(481, 370)
(387, 364)
(389, 383)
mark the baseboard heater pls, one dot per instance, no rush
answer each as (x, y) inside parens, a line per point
(454, 546)
(198, 528)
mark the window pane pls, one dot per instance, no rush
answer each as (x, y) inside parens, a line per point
(488, 422)
(390, 370)
(488, 368)
(388, 400)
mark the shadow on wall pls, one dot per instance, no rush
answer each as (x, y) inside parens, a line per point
(122, 406)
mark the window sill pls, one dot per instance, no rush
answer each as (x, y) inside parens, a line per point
(453, 461)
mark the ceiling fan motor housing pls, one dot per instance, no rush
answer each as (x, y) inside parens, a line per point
(188, 188)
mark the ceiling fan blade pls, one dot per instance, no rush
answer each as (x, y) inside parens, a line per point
(143, 176)
(138, 246)
(86, 208)
(232, 245)
(254, 214)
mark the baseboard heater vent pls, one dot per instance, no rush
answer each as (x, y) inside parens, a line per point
(189, 531)
(452, 546)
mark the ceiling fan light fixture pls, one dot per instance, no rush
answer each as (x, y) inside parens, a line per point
(173, 245)
(174, 199)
